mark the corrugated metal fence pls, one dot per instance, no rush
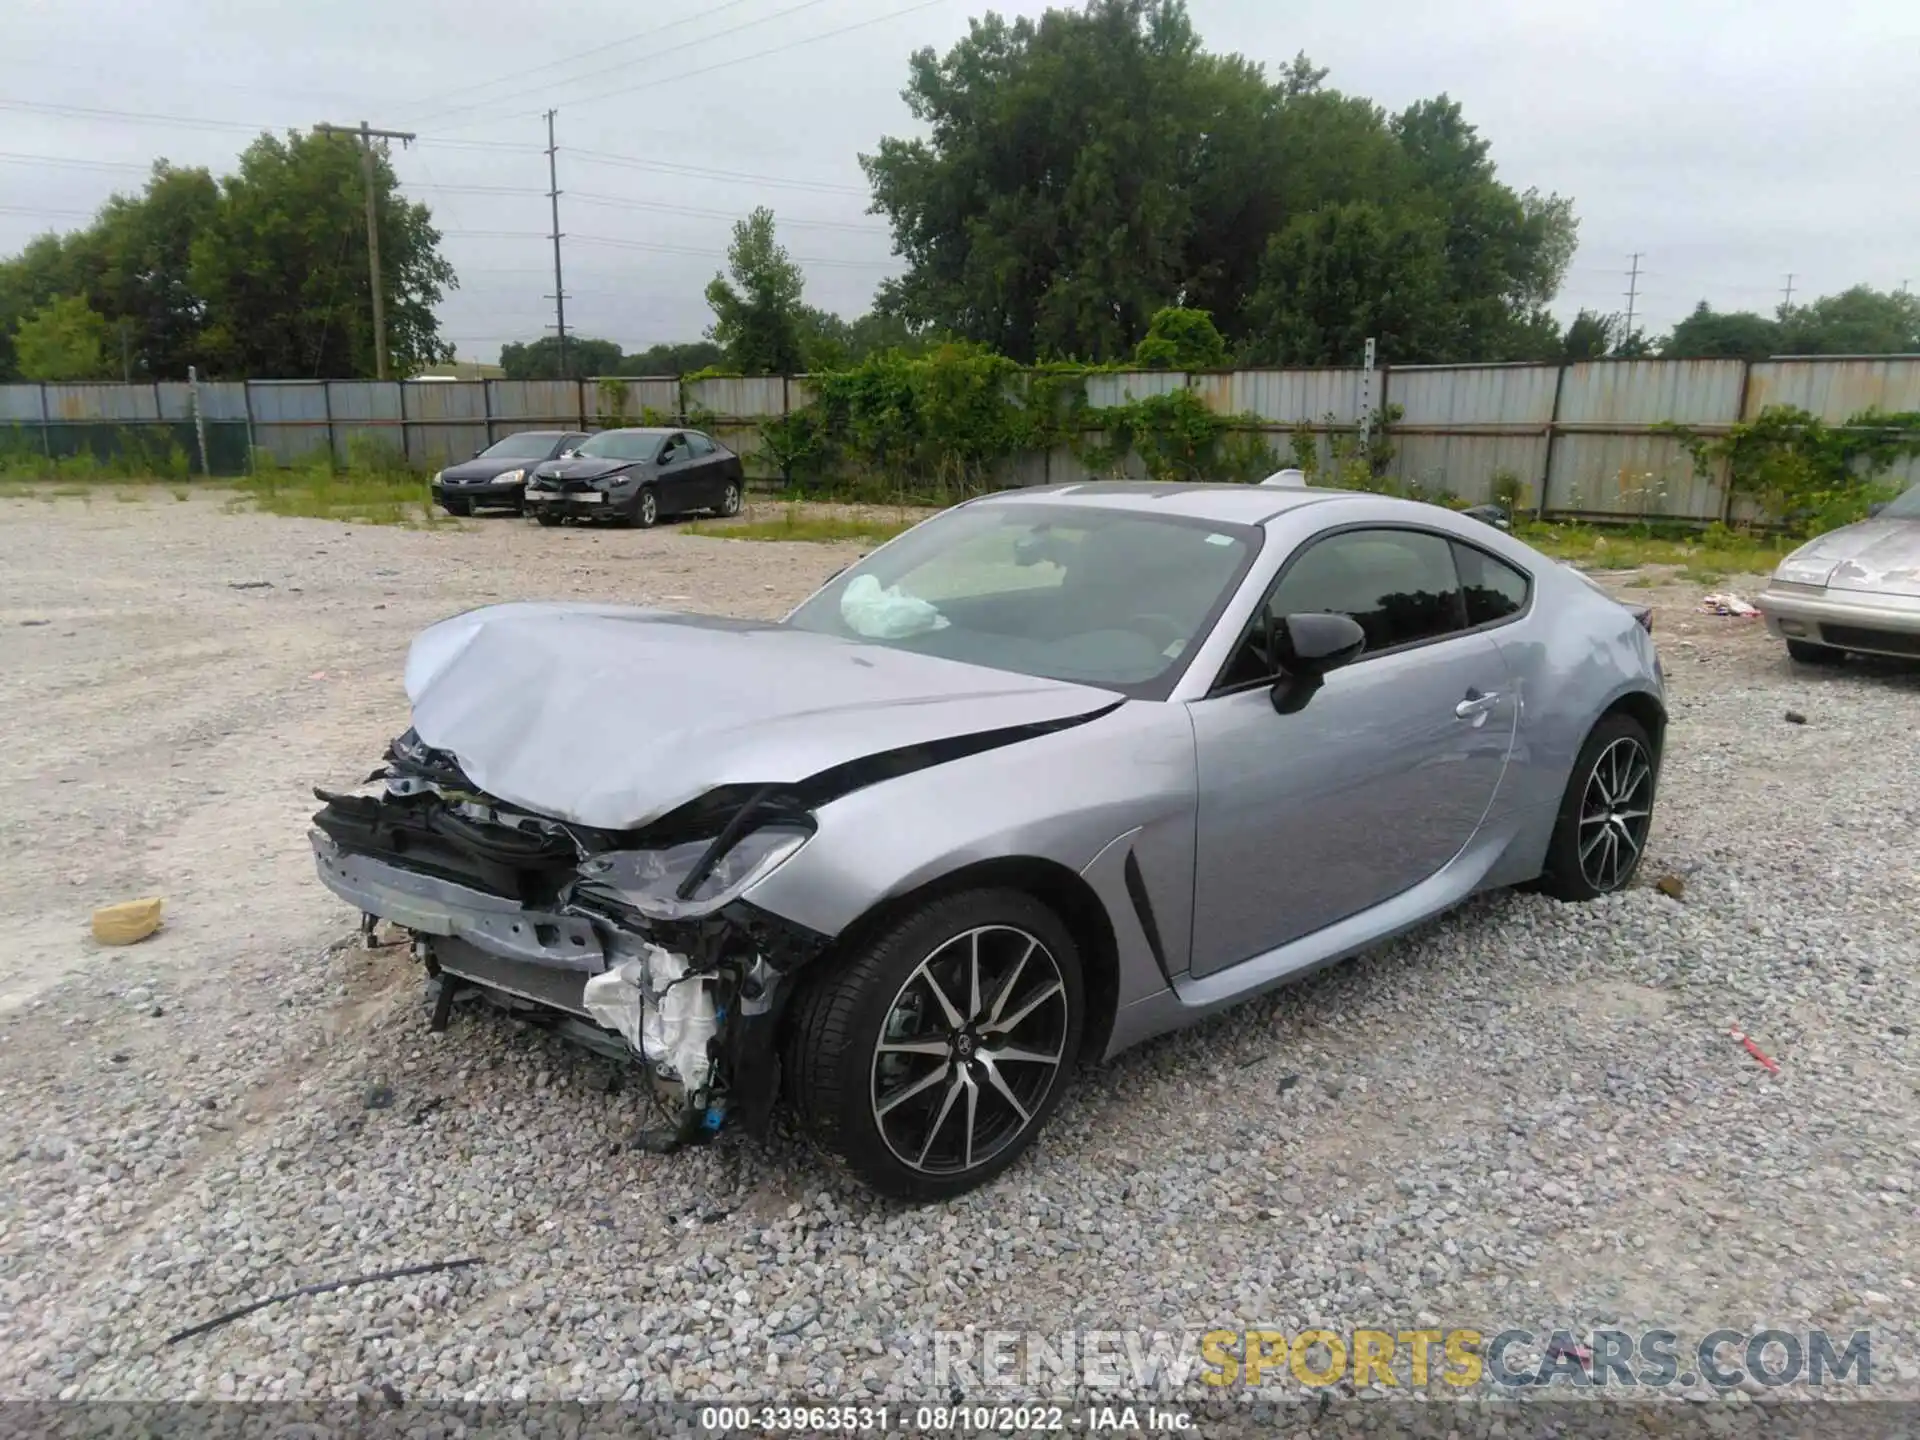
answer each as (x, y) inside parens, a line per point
(1582, 438)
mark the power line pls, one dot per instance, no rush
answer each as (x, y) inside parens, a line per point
(520, 76)
(626, 66)
(658, 248)
(588, 198)
(69, 162)
(701, 172)
(627, 90)
(139, 117)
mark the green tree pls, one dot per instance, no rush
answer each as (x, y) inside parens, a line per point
(673, 358)
(282, 265)
(65, 339)
(1593, 336)
(1344, 274)
(1179, 339)
(1709, 334)
(146, 282)
(540, 359)
(1857, 321)
(757, 316)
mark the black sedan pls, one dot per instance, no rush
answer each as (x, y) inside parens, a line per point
(498, 474)
(637, 476)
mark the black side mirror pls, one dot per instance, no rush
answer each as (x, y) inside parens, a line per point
(1875, 508)
(1306, 647)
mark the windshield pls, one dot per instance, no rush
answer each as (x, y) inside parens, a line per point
(1905, 507)
(528, 445)
(1102, 597)
(620, 445)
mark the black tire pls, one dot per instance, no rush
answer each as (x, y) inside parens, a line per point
(1572, 875)
(646, 509)
(837, 1075)
(457, 507)
(730, 499)
(547, 518)
(1808, 653)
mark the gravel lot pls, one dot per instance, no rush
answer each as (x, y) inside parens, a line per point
(1527, 1114)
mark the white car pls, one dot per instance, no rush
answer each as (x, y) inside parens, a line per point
(1856, 588)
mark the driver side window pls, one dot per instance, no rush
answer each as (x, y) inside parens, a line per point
(1399, 586)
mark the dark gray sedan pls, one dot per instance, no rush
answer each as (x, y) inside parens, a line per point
(497, 476)
(636, 477)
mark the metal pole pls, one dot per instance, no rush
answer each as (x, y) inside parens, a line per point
(199, 420)
(368, 176)
(1633, 291)
(1366, 406)
(559, 290)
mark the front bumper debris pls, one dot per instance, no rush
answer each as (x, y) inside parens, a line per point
(694, 1002)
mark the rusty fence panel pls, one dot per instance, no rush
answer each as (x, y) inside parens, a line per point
(1585, 439)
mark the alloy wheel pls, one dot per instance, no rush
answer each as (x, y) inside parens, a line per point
(649, 507)
(972, 1046)
(1615, 811)
(730, 502)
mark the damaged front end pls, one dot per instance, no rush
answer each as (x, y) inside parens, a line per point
(635, 943)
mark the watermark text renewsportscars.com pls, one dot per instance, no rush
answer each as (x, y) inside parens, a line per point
(1014, 1362)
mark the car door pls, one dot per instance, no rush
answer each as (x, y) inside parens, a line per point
(675, 476)
(705, 464)
(1378, 781)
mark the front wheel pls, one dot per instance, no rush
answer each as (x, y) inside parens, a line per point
(930, 1058)
(646, 509)
(547, 518)
(457, 507)
(1808, 653)
(1601, 832)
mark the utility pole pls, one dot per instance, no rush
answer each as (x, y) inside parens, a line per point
(559, 291)
(1787, 304)
(367, 136)
(1633, 290)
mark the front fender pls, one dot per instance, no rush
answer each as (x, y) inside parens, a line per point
(1063, 797)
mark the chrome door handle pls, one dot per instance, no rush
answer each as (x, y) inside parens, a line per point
(1476, 705)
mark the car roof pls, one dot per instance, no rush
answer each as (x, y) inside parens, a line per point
(1226, 504)
(643, 430)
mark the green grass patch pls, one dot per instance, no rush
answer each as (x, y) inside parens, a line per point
(1707, 556)
(374, 488)
(796, 524)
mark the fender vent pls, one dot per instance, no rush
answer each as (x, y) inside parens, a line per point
(1143, 907)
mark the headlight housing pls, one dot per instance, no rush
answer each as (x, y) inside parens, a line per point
(437, 476)
(510, 477)
(1800, 569)
(650, 880)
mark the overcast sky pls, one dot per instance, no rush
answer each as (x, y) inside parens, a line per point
(1730, 141)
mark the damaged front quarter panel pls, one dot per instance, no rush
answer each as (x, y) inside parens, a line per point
(639, 934)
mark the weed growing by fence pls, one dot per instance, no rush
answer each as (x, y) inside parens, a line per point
(1802, 472)
(375, 487)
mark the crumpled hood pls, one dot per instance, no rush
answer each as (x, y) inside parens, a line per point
(611, 716)
(1879, 555)
(585, 467)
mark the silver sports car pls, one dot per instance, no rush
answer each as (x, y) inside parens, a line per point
(1856, 588)
(1051, 773)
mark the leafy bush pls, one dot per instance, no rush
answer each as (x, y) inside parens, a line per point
(1179, 339)
(1803, 473)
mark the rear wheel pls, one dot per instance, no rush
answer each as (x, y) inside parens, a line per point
(931, 1057)
(1605, 815)
(730, 498)
(1808, 653)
